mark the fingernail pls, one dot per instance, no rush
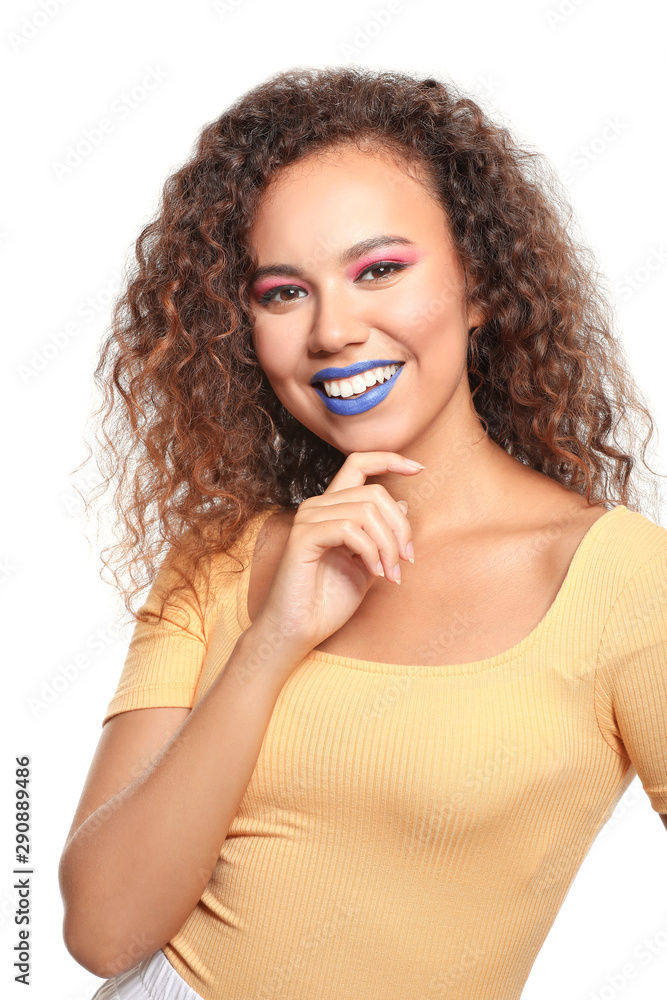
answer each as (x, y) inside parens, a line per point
(403, 504)
(397, 573)
(410, 549)
(379, 568)
(415, 465)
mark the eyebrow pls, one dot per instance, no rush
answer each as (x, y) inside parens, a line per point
(345, 257)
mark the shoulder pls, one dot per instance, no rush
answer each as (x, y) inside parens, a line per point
(270, 536)
(258, 532)
(636, 576)
(273, 527)
(633, 542)
(621, 540)
(270, 541)
(227, 566)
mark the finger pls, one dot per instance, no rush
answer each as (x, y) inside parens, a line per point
(336, 531)
(394, 514)
(370, 518)
(360, 464)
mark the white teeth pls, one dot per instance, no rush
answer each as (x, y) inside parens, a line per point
(346, 387)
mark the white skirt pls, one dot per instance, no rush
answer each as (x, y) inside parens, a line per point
(153, 979)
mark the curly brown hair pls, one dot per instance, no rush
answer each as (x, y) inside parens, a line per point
(191, 429)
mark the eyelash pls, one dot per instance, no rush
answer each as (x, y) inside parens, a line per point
(267, 297)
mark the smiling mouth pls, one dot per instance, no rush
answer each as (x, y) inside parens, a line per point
(363, 392)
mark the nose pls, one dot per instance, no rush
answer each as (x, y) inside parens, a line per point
(337, 321)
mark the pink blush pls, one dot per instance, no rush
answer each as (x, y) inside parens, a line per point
(394, 256)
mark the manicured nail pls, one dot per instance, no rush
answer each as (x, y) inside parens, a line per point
(397, 573)
(410, 549)
(380, 570)
(415, 465)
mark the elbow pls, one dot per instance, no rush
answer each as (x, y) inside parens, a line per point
(101, 957)
(89, 937)
(80, 943)
(77, 944)
(84, 951)
(97, 929)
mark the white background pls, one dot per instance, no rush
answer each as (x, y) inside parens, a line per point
(556, 72)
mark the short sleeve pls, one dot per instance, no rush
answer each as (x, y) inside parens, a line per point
(164, 658)
(631, 677)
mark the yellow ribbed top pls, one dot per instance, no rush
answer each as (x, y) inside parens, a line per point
(410, 832)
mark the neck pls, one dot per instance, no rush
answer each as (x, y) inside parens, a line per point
(468, 479)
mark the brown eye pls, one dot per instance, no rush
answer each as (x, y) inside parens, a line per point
(279, 291)
(388, 267)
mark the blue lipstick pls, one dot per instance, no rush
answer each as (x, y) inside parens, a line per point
(369, 399)
(355, 369)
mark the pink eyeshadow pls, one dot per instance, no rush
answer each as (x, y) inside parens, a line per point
(266, 284)
(395, 256)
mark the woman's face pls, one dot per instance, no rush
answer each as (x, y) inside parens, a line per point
(357, 268)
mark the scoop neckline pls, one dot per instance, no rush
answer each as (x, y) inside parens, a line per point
(430, 669)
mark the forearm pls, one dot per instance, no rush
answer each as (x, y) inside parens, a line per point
(136, 868)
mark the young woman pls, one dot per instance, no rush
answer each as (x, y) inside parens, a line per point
(374, 713)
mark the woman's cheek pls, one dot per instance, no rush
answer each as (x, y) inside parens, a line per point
(277, 361)
(428, 309)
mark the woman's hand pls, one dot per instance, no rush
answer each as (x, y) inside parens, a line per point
(330, 559)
